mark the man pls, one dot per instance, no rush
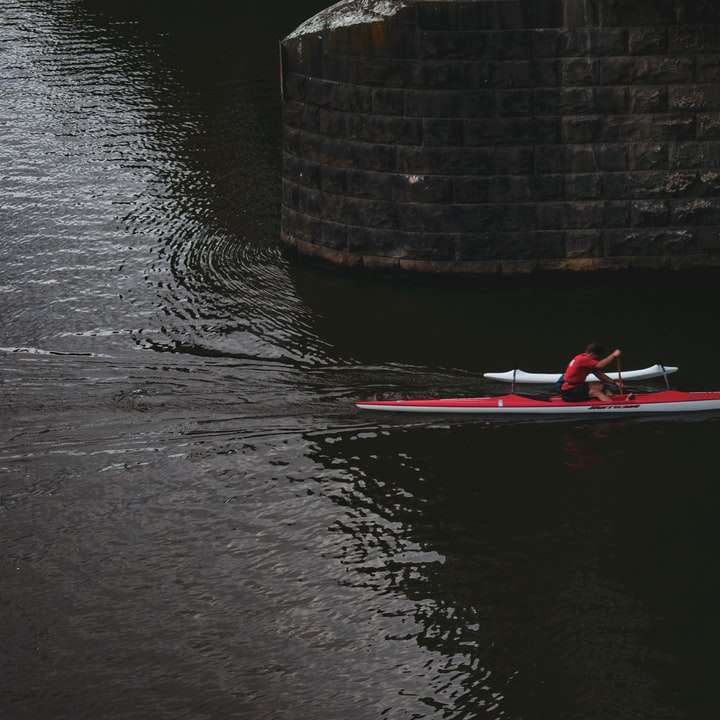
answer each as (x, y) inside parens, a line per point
(574, 387)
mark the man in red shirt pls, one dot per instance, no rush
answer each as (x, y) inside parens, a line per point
(574, 387)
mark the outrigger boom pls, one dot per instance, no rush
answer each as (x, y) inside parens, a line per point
(520, 377)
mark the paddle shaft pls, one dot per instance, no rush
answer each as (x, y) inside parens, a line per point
(620, 380)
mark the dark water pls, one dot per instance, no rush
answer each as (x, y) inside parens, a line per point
(195, 521)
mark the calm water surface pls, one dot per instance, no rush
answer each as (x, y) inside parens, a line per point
(196, 523)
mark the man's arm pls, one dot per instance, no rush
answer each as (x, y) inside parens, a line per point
(603, 378)
(606, 361)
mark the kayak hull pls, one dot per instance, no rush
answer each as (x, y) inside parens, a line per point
(520, 377)
(670, 401)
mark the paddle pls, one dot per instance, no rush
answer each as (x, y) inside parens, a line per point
(620, 380)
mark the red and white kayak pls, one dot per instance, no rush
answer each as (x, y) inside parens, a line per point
(667, 401)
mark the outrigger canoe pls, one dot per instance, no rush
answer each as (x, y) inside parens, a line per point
(666, 401)
(520, 377)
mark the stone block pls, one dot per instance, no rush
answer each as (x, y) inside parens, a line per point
(517, 131)
(650, 185)
(650, 213)
(333, 180)
(585, 43)
(308, 174)
(293, 113)
(325, 122)
(468, 45)
(628, 71)
(583, 187)
(477, 104)
(384, 129)
(549, 187)
(300, 226)
(514, 160)
(437, 16)
(552, 159)
(338, 68)
(648, 242)
(371, 241)
(543, 13)
(366, 156)
(320, 93)
(515, 102)
(628, 128)
(310, 201)
(469, 219)
(646, 100)
(421, 189)
(709, 239)
(694, 155)
(388, 73)
(694, 39)
(708, 69)
(699, 211)
(510, 15)
(334, 235)
(628, 14)
(417, 217)
(521, 74)
(709, 126)
(547, 244)
(580, 71)
(648, 41)
(513, 45)
(491, 246)
(483, 16)
(291, 195)
(428, 246)
(472, 190)
(510, 188)
(695, 98)
(446, 161)
(583, 243)
(372, 185)
(560, 216)
(648, 156)
(453, 75)
(388, 101)
(445, 132)
(584, 129)
(427, 104)
(294, 87)
(616, 214)
(564, 101)
(611, 100)
(709, 183)
(353, 98)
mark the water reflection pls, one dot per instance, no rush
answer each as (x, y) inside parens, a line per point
(204, 523)
(529, 588)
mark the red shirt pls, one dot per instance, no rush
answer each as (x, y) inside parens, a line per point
(578, 370)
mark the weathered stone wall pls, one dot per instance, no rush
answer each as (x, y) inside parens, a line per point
(505, 135)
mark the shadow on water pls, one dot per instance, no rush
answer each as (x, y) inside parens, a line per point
(500, 324)
(571, 593)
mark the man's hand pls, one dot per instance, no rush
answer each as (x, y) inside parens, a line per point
(616, 353)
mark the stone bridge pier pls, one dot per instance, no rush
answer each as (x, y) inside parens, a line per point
(504, 136)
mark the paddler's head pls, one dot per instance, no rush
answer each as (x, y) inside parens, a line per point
(596, 350)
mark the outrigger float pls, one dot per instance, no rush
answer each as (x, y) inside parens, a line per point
(664, 401)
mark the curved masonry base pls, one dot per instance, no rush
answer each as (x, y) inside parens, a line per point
(478, 137)
(486, 268)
